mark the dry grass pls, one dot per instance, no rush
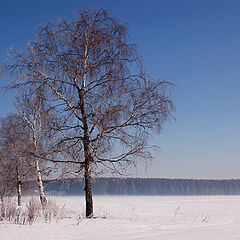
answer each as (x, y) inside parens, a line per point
(33, 211)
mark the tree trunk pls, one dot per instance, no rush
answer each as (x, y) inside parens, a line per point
(19, 187)
(88, 189)
(88, 177)
(88, 159)
(43, 198)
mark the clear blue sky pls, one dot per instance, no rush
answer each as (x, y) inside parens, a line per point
(195, 44)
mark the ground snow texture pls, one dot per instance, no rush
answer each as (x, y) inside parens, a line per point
(138, 217)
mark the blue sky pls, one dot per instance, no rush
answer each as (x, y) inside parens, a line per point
(193, 43)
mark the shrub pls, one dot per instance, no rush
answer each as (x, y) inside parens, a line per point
(8, 209)
(33, 210)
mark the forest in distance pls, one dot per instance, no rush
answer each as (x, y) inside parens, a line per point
(146, 186)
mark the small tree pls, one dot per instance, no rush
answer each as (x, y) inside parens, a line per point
(7, 175)
(32, 109)
(109, 105)
(16, 165)
(39, 119)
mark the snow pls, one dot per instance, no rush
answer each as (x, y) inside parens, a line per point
(137, 217)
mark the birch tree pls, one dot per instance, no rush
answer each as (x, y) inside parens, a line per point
(95, 77)
(16, 164)
(7, 175)
(31, 107)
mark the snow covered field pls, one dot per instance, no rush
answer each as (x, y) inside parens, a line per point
(138, 217)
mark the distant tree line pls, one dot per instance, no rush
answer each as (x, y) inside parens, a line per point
(147, 186)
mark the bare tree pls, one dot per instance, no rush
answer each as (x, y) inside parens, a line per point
(16, 165)
(32, 109)
(7, 175)
(97, 83)
(38, 116)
